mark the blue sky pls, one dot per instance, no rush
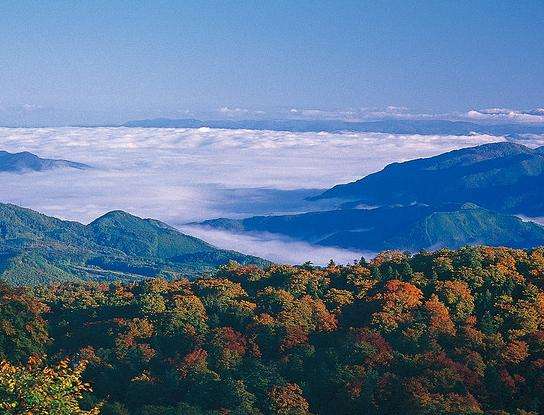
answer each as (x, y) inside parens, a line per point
(110, 61)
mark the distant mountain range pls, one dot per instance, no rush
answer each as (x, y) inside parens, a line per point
(466, 196)
(425, 127)
(505, 176)
(410, 227)
(35, 248)
(25, 161)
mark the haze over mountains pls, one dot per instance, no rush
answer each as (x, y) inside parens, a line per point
(190, 175)
(390, 126)
(35, 248)
(466, 196)
(408, 228)
(25, 161)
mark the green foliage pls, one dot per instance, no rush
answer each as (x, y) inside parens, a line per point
(37, 249)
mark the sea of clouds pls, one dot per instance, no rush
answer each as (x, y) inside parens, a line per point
(186, 175)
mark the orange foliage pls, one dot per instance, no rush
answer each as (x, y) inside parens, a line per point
(397, 300)
(288, 400)
(515, 352)
(439, 317)
(195, 361)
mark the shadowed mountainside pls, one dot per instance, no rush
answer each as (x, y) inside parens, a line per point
(505, 176)
(25, 161)
(411, 228)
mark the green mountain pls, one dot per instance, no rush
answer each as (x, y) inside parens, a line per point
(25, 161)
(505, 177)
(35, 248)
(412, 227)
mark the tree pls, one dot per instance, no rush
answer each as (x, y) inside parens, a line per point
(37, 389)
(288, 400)
(23, 331)
(457, 297)
(397, 299)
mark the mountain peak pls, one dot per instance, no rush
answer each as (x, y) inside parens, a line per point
(38, 248)
(116, 214)
(498, 148)
(122, 218)
(25, 161)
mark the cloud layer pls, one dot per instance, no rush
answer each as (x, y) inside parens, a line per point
(507, 115)
(274, 248)
(488, 115)
(184, 175)
(38, 115)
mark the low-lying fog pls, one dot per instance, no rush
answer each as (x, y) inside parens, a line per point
(186, 175)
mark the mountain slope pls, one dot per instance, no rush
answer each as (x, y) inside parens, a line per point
(411, 227)
(143, 237)
(35, 248)
(504, 176)
(25, 161)
(424, 127)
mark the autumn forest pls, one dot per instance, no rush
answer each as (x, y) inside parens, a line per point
(451, 331)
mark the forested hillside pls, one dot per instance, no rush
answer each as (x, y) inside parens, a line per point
(413, 227)
(447, 332)
(36, 249)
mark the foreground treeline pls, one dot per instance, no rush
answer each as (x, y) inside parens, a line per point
(459, 332)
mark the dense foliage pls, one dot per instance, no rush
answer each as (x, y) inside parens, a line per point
(459, 332)
(35, 389)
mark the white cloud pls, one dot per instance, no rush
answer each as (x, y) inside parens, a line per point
(275, 248)
(233, 111)
(239, 112)
(507, 115)
(183, 175)
(404, 113)
(357, 114)
(538, 219)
